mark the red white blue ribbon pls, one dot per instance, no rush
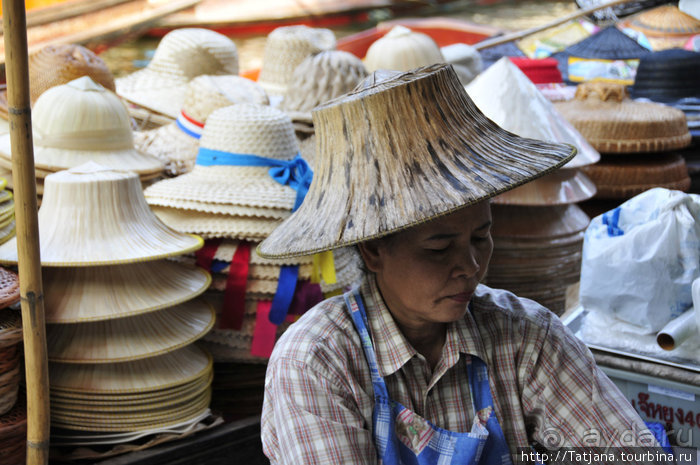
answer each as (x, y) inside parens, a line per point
(189, 125)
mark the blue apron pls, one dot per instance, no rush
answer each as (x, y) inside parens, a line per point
(404, 438)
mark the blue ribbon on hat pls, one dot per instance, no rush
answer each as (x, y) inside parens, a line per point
(295, 173)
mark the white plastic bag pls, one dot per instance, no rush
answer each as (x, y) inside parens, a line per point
(640, 259)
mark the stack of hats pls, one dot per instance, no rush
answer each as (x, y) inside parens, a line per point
(121, 320)
(665, 26)
(285, 48)
(181, 55)
(637, 140)
(608, 55)
(248, 177)
(78, 122)
(318, 79)
(13, 417)
(176, 144)
(539, 259)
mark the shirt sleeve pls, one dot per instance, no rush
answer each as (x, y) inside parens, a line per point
(312, 419)
(570, 403)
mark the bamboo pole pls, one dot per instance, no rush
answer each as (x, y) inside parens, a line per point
(29, 263)
(528, 32)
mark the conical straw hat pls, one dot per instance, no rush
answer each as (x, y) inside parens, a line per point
(503, 90)
(130, 338)
(604, 114)
(74, 295)
(79, 122)
(383, 166)
(182, 55)
(561, 187)
(238, 129)
(285, 48)
(537, 222)
(176, 144)
(140, 376)
(320, 78)
(93, 215)
(402, 49)
(54, 65)
(665, 26)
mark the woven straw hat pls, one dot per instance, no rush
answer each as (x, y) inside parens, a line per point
(95, 293)
(667, 76)
(503, 90)
(372, 180)
(94, 215)
(176, 144)
(320, 78)
(624, 178)
(613, 123)
(9, 288)
(79, 122)
(402, 49)
(245, 128)
(182, 55)
(561, 187)
(54, 65)
(285, 48)
(607, 44)
(665, 26)
(131, 338)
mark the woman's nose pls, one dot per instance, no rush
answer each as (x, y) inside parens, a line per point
(466, 264)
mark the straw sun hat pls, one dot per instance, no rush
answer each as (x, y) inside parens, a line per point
(94, 215)
(613, 123)
(665, 26)
(437, 160)
(176, 144)
(402, 49)
(181, 55)
(318, 79)
(79, 122)
(285, 48)
(54, 65)
(231, 194)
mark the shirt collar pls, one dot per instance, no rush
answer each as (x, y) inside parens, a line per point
(391, 347)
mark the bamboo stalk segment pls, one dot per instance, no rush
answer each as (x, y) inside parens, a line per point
(36, 363)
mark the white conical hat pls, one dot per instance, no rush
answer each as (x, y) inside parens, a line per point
(512, 101)
(130, 338)
(402, 49)
(93, 215)
(182, 55)
(81, 121)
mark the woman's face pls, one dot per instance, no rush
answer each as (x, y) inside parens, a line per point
(428, 273)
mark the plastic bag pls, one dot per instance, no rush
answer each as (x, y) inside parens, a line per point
(640, 259)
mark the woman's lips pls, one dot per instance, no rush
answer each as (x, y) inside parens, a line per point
(462, 297)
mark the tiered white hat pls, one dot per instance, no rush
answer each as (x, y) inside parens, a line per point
(176, 144)
(182, 55)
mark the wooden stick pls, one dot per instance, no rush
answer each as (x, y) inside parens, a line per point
(33, 325)
(528, 32)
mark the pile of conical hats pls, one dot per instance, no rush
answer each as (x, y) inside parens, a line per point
(638, 141)
(121, 319)
(78, 122)
(248, 177)
(537, 228)
(12, 409)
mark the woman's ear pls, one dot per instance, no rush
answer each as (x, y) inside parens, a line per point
(371, 254)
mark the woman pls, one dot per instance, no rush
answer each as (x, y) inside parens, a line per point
(420, 363)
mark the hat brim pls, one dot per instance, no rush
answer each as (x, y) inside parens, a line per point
(85, 294)
(131, 338)
(561, 187)
(233, 185)
(175, 149)
(154, 91)
(51, 159)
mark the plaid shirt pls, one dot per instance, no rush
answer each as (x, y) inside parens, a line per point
(545, 384)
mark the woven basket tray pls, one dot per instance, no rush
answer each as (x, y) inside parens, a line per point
(622, 179)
